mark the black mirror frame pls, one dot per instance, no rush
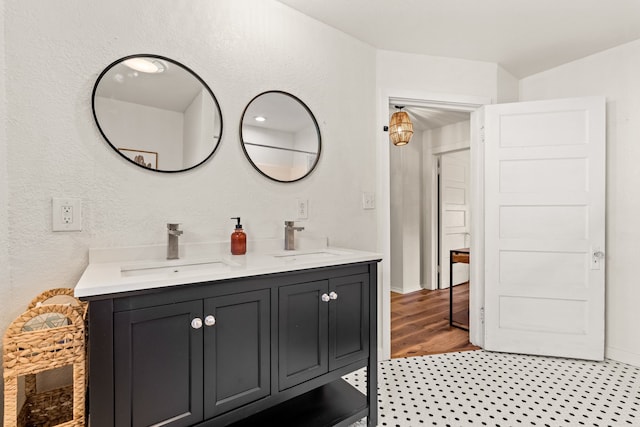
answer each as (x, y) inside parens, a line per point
(315, 122)
(163, 58)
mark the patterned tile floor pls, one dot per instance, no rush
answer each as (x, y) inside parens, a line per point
(479, 388)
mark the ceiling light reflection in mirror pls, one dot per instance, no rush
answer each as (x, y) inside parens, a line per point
(157, 113)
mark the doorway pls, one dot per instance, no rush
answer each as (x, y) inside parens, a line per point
(453, 103)
(430, 215)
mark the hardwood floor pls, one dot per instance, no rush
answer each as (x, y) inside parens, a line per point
(420, 322)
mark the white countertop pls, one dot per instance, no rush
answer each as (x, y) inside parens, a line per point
(116, 270)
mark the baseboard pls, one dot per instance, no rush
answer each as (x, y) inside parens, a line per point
(404, 291)
(428, 287)
(622, 356)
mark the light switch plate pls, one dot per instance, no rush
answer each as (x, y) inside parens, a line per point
(66, 214)
(368, 200)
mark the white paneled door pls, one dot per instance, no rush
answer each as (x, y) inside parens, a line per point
(454, 213)
(545, 227)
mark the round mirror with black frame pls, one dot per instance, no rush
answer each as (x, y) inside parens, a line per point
(280, 136)
(157, 113)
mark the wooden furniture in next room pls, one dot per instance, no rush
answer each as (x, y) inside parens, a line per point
(456, 255)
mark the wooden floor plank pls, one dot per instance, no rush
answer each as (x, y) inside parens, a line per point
(420, 322)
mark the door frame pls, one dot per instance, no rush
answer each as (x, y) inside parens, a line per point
(471, 104)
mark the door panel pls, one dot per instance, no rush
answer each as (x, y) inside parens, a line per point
(454, 213)
(236, 351)
(348, 320)
(158, 360)
(544, 218)
(302, 333)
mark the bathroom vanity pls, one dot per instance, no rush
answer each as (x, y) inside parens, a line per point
(262, 339)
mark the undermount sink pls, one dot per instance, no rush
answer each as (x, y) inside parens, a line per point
(309, 255)
(195, 267)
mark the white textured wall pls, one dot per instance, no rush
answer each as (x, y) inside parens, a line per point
(614, 74)
(6, 315)
(240, 48)
(5, 288)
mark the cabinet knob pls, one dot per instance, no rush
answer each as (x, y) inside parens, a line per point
(210, 320)
(325, 298)
(196, 323)
(333, 295)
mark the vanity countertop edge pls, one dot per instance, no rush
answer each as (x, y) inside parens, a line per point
(105, 278)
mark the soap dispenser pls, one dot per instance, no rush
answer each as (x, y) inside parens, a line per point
(238, 239)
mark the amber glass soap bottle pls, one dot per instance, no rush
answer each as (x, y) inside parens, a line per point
(238, 239)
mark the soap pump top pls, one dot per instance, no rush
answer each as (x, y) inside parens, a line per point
(238, 239)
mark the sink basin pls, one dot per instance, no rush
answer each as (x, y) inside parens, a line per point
(309, 255)
(173, 267)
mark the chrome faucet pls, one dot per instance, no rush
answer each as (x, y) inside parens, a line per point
(172, 244)
(289, 229)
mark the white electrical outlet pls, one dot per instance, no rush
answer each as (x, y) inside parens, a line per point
(302, 209)
(66, 214)
(368, 200)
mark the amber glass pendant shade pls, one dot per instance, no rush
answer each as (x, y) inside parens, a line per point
(400, 128)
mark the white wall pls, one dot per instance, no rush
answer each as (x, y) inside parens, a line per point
(243, 48)
(140, 127)
(406, 215)
(613, 74)
(5, 288)
(508, 86)
(436, 74)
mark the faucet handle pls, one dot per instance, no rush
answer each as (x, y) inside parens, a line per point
(174, 228)
(290, 224)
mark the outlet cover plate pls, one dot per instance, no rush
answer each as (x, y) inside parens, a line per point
(302, 209)
(66, 214)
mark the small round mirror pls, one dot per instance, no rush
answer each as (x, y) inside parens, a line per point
(280, 136)
(157, 113)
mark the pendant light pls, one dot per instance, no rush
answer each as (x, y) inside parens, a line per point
(400, 127)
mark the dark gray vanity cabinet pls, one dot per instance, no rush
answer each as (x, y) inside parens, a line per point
(237, 353)
(178, 364)
(267, 350)
(322, 326)
(153, 340)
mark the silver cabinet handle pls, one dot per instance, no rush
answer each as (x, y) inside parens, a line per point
(333, 295)
(196, 323)
(210, 320)
(325, 298)
(598, 254)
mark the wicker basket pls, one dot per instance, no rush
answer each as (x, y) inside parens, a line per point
(28, 352)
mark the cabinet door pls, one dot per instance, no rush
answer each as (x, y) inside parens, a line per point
(237, 358)
(302, 333)
(158, 366)
(348, 320)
